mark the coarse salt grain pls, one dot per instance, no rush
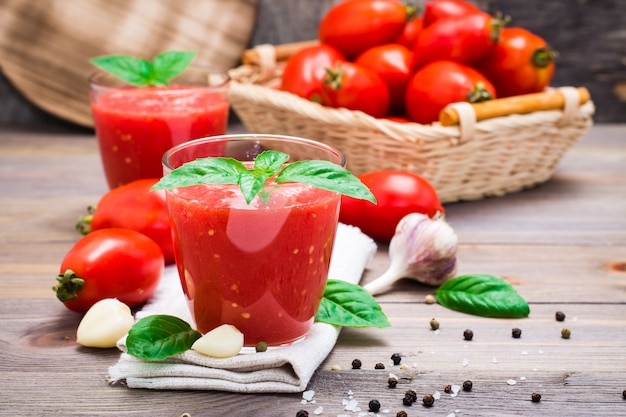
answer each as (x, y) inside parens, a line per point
(511, 382)
(437, 395)
(308, 395)
(319, 410)
(455, 390)
(465, 362)
(494, 360)
(524, 352)
(451, 415)
(522, 378)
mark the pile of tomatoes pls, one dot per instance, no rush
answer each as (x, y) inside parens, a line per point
(380, 57)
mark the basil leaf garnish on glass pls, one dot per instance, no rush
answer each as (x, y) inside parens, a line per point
(482, 295)
(140, 72)
(268, 164)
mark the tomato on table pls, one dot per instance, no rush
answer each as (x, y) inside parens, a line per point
(521, 63)
(109, 263)
(356, 25)
(441, 83)
(397, 193)
(393, 63)
(354, 87)
(133, 206)
(305, 70)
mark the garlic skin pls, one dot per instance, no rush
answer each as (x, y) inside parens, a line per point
(423, 249)
(104, 324)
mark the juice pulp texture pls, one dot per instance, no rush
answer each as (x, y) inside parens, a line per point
(260, 268)
(135, 130)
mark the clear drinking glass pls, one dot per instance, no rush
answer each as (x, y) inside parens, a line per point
(263, 266)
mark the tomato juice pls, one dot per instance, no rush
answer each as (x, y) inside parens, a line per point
(262, 268)
(135, 126)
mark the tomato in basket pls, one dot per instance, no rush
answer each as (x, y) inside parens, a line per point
(356, 25)
(442, 9)
(441, 83)
(305, 70)
(354, 87)
(393, 63)
(521, 63)
(397, 193)
(466, 39)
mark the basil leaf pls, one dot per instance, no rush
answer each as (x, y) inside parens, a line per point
(203, 171)
(328, 176)
(251, 184)
(141, 72)
(482, 295)
(349, 305)
(168, 65)
(270, 162)
(160, 336)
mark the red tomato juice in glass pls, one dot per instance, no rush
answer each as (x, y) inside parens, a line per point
(260, 267)
(135, 130)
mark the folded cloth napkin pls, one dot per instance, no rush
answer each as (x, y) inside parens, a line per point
(280, 369)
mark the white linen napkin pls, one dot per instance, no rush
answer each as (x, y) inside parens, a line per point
(281, 369)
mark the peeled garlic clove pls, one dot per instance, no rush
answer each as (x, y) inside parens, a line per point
(222, 342)
(104, 324)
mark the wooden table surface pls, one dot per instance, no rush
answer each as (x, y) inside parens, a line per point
(562, 245)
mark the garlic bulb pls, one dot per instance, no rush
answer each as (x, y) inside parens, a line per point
(423, 249)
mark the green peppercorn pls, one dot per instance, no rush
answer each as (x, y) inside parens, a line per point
(516, 333)
(261, 347)
(565, 333)
(356, 364)
(374, 406)
(447, 389)
(379, 365)
(402, 414)
(434, 324)
(468, 334)
(302, 413)
(396, 358)
(559, 316)
(392, 382)
(428, 400)
(467, 385)
(534, 397)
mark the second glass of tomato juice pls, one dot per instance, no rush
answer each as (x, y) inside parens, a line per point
(135, 126)
(262, 266)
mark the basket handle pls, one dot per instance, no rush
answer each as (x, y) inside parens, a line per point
(553, 99)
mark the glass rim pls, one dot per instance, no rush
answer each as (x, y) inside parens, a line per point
(252, 137)
(92, 80)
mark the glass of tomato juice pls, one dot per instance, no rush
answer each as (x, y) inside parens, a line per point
(263, 266)
(135, 126)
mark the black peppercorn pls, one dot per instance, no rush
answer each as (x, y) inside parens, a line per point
(379, 366)
(624, 394)
(516, 333)
(468, 334)
(467, 385)
(396, 358)
(434, 324)
(356, 364)
(302, 413)
(401, 414)
(408, 401)
(428, 400)
(534, 397)
(374, 406)
(559, 316)
(447, 389)
(392, 382)
(411, 395)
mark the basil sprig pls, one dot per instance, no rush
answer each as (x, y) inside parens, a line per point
(141, 72)
(482, 295)
(344, 304)
(268, 164)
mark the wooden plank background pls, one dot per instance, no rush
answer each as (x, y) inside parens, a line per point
(589, 36)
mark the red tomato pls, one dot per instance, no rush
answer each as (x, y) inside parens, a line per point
(443, 9)
(397, 193)
(134, 206)
(440, 83)
(111, 263)
(305, 70)
(409, 34)
(354, 26)
(393, 63)
(356, 88)
(521, 63)
(467, 39)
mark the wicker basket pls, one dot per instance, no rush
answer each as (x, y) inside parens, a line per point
(467, 161)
